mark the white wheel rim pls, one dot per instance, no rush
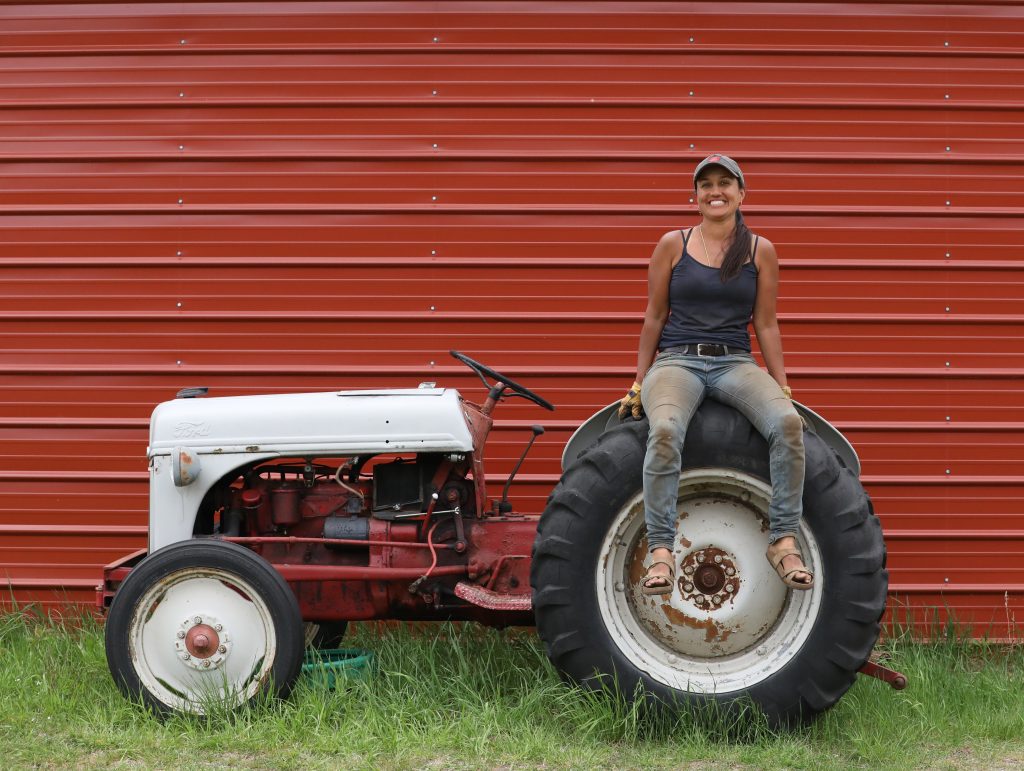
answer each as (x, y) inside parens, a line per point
(752, 632)
(236, 636)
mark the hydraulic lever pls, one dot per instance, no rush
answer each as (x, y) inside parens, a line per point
(504, 506)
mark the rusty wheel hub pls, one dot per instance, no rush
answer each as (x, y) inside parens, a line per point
(202, 642)
(709, 578)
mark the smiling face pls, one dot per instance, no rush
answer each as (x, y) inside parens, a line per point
(718, 193)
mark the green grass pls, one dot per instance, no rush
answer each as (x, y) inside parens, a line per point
(458, 696)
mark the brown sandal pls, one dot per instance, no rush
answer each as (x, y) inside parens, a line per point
(787, 575)
(666, 588)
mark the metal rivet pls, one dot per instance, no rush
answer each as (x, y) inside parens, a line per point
(181, 147)
(433, 251)
(691, 200)
(948, 148)
(691, 145)
(691, 40)
(948, 471)
(431, 364)
(947, 96)
(619, 586)
(181, 93)
(181, 201)
(946, 43)
(948, 254)
(434, 93)
(435, 145)
(948, 417)
(691, 93)
(947, 203)
(436, 39)
(433, 198)
(947, 309)
(179, 254)
(946, 580)
(182, 41)
(179, 305)
(947, 363)
(432, 307)
(179, 362)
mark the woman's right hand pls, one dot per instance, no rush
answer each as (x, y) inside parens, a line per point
(630, 404)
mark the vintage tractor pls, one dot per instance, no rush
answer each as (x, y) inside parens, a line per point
(275, 520)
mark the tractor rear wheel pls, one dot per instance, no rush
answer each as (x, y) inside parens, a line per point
(203, 626)
(730, 632)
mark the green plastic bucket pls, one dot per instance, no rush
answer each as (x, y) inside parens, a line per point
(328, 667)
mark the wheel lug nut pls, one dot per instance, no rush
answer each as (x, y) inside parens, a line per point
(717, 599)
(730, 571)
(198, 619)
(699, 599)
(700, 558)
(729, 587)
(219, 627)
(222, 649)
(688, 570)
(181, 635)
(206, 664)
(688, 587)
(186, 657)
(718, 558)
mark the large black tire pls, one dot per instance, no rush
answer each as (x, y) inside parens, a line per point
(203, 626)
(792, 653)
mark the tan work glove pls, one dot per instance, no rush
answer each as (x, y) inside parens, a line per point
(630, 404)
(788, 392)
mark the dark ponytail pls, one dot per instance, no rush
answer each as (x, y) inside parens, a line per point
(739, 249)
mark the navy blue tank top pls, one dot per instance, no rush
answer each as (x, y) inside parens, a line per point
(704, 310)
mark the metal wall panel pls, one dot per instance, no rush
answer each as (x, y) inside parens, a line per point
(311, 196)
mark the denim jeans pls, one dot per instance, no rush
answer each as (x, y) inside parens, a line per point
(673, 389)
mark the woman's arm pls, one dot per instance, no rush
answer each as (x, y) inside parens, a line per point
(766, 323)
(659, 273)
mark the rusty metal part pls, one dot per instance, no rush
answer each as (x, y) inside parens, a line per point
(897, 680)
(709, 574)
(202, 641)
(485, 598)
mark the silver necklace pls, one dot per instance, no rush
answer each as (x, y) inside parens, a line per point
(703, 243)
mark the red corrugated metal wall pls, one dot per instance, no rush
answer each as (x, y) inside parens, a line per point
(310, 196)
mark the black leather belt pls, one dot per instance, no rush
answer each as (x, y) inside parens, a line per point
(704, 349)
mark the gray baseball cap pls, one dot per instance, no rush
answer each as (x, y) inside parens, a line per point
(725, 162)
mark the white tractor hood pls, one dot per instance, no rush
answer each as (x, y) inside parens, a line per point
(339, 423)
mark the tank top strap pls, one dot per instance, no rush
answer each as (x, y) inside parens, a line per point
(686, 237)
(753, 252)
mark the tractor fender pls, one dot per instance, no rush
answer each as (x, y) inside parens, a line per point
(601, 421)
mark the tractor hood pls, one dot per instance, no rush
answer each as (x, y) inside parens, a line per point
(338, 423)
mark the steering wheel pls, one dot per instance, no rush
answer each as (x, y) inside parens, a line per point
(514, 387)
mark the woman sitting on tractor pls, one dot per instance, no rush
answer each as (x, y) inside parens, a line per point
(705, 285)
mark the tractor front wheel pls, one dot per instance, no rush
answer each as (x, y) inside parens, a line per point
(203, 626)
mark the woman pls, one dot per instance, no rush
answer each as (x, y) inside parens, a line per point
(705, 285)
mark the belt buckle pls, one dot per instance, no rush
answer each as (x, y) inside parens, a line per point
(702, 346)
